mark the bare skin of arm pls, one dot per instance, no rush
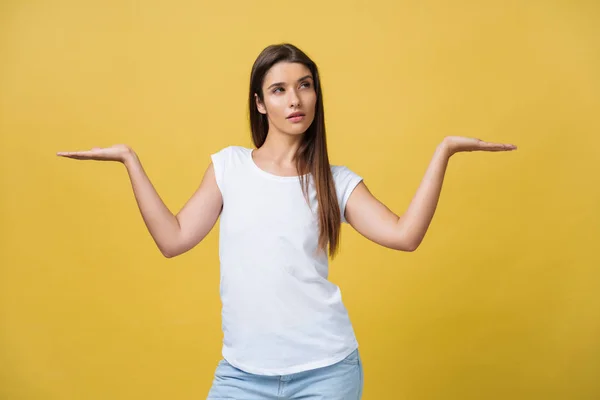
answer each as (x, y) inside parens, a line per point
(378, 223)
(173, 234)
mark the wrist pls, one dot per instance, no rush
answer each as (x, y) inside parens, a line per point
(446, 148)
(129, 158)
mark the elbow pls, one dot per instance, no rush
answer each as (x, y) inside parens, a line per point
(168, 255)
(169, 252)
(407, 246)
(175, 249)
(411, 248)
(413, 245)
(172, 246)
(405, 240)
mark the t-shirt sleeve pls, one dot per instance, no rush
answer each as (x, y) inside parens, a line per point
(219, 161)
(345, 183)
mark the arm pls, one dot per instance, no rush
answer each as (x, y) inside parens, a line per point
(175, 234)
(376, 222)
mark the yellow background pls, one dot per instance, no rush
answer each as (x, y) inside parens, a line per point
(502, 299)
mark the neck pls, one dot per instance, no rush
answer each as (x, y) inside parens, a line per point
(280, 148)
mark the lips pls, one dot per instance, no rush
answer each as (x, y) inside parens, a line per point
(296, 114)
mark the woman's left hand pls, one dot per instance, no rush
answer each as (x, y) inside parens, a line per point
(456, 144)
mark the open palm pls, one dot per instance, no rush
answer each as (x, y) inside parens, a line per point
(118, 152)
(460, 143)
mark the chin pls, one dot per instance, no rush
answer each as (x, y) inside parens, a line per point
(298, 130)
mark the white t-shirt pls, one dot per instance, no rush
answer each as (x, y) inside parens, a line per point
(281, 315)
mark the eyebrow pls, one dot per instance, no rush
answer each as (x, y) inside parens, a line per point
(281, 83)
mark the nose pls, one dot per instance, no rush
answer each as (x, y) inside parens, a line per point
(294, 99)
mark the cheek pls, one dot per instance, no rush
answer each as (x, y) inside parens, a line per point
(311, 101)
(274, 107)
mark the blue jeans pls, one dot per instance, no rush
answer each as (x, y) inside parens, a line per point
(340, 381)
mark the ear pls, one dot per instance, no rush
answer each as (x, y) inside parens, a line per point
(259, 105)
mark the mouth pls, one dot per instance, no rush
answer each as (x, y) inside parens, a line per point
(295, 115)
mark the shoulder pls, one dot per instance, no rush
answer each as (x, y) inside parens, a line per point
(343, 173)
(230, 155)
(345, 179)
(232, 151)
(226, 162)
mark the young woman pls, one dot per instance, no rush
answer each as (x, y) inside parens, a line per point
(287, 334)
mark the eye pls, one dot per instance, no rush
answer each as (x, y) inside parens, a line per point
(277, 88)
(305, 84)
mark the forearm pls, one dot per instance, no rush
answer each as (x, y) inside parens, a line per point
(161, 223)
(416, 220)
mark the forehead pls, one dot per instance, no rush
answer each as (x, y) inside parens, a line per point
(286, 72)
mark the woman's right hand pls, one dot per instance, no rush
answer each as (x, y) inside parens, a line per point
(173, 234)
(118, 152)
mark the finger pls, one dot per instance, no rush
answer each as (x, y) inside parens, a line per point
(76, 157)
(497, 146)
(506, 146)
(73, 154)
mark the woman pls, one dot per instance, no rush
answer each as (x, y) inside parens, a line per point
(286, 331)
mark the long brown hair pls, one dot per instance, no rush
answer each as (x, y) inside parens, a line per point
(311, 156)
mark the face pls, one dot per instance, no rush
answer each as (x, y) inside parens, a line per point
(288, 88)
